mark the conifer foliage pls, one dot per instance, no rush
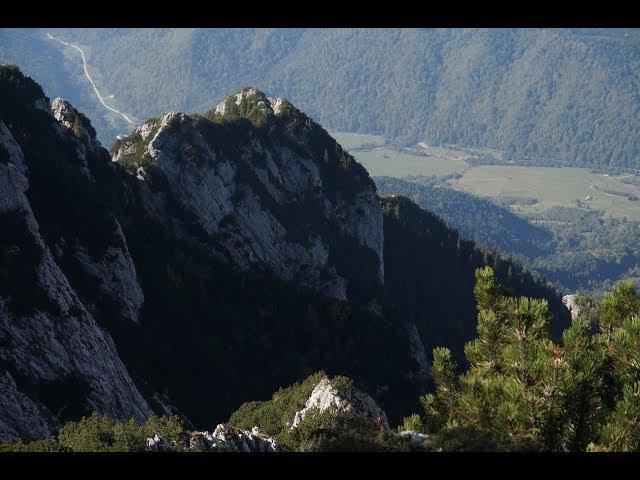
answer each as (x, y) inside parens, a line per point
(522, 391)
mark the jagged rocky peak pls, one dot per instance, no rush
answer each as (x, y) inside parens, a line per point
(76, 129)
(76, 122)
(50, 344)
(251, 103)
(276, 193)
(66, 146)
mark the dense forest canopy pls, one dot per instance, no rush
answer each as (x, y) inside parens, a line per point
(542, 96)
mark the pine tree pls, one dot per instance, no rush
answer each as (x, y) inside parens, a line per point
(522, 391)
(622, 432)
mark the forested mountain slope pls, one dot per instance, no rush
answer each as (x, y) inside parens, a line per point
(575, 248)
(430, 273)
(543, 96)
(474, 217)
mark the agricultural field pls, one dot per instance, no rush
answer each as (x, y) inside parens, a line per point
(549, 187)
(355, 141)
(382, 159)
(526, 190)
(400, 163)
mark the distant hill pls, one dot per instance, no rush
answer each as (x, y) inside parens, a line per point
(543, 96)
(474, 217)
(575, 248)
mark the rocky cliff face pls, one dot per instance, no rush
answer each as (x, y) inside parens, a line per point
(55, 361)
(266, 188)
(571, 303)
(113, 267)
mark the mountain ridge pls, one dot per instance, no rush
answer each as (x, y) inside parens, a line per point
(206, 332)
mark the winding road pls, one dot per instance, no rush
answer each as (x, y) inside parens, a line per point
(86, 72)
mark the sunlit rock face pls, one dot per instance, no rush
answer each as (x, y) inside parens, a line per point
(342, 401)
(571, 304)
(265, 187)
(254, 184)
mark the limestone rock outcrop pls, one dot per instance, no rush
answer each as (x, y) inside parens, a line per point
(571, 304)
(342, 401)
(116, 267)
(223, 439)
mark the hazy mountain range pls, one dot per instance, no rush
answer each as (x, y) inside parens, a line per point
(541, 96)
